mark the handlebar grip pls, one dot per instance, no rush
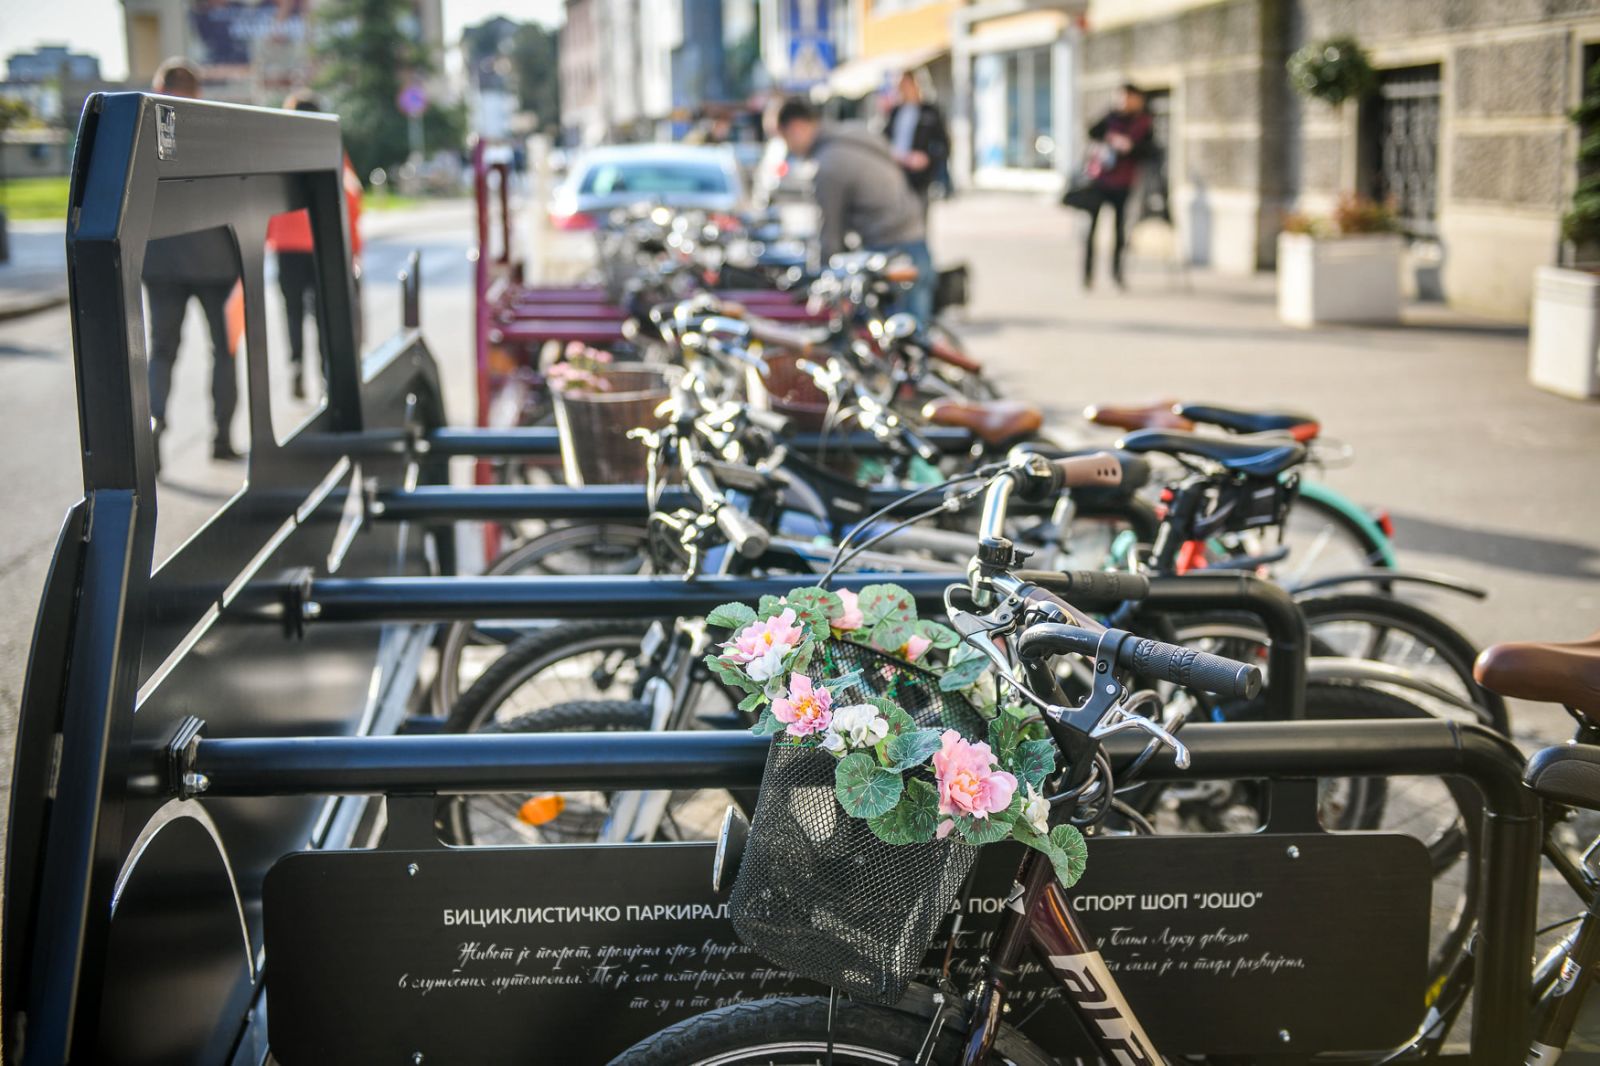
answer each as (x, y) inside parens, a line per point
(748, 537)
(777, 335)
(1089, 588)
(1200, 670)
(1099, 469)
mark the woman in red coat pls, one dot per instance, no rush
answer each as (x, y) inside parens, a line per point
(289, 236)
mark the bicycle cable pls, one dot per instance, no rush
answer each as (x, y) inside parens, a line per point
(840, 557)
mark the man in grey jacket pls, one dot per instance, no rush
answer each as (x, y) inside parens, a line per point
(861, 189)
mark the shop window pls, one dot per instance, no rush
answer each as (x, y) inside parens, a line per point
(1029, 94)
(1154, 193)
(1399, 156)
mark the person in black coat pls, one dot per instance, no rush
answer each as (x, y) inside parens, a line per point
(918, 138)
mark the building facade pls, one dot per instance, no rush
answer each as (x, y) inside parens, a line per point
(53, 81)
(1466, 135)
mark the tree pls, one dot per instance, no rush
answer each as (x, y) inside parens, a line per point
(368, 51)
(1581, 224)
(535, 55)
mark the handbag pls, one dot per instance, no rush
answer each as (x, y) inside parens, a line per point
(1083, 194)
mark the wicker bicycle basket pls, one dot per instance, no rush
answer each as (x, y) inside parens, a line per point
(817, 893)
(595, 446)
(788, 391)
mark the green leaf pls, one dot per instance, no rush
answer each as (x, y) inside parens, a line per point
(864, 788)
(906, 750)
(980, 831)
(1036, 760)
(899, 720)
(729, 674)
(892, 635)
(769, 606)
(1005, 730)
(941, 635)
(886, 603)
(828, 603)
(800, 658)
(731, 616)
(963, 674)
(912, 820)
(1073, 851)
(751, 702)
(767, 725)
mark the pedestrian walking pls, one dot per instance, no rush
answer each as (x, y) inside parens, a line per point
(1119, 141)
(202, 266)
(289, 238)
(918, 138)
(861, 189)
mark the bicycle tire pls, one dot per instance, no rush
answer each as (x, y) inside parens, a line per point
(1458, 651)
(529, 656)
(1370, 552)
(520, 560)
(579, 716)
(794, 1030)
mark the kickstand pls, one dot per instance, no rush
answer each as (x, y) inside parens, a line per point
(833, 1001)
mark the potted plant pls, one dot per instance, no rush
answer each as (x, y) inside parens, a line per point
(1564, 336)
(1345, 268)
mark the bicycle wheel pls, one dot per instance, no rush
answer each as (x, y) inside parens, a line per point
(795, 1032)
(503, 819)
(1323, 541)
(586, 549)
(561, 664)
(1397, 633)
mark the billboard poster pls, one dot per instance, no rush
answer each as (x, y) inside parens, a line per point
(231, 36)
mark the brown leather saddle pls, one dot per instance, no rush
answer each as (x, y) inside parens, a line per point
(1566, 673)
(1161, 415)
(995, 422)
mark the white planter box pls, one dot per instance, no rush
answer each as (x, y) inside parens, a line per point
(1339, 279)
(1564, 340)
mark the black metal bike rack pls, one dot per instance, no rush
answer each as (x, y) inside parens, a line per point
(544, 442)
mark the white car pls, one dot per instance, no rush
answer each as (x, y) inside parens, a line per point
(682, 176)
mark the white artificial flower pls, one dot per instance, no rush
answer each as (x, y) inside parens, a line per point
(832, 741)
(768, 664)
(857, 725)
(1036, 809)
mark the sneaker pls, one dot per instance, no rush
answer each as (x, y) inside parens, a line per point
(222, 451)
(299, 387)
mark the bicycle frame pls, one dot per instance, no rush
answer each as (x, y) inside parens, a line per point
(1039, 915)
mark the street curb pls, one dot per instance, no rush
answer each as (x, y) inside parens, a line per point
(21, 308)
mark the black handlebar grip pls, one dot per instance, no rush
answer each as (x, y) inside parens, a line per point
(1089, 588)
(748, 537)
(1200, 670)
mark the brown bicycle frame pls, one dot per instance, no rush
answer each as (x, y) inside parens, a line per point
(1037, 913)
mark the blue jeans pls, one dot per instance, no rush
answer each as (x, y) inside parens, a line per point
(918, 300)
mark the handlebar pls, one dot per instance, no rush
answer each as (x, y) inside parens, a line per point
(1039, 478)
(747, 536)
(1148, 658)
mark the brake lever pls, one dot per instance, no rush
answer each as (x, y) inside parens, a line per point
(1121, 721)
(980, 632)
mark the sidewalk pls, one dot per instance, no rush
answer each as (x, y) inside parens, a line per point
(1486, 477)
(36, 276)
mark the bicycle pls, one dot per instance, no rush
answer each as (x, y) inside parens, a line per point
(1021, 627)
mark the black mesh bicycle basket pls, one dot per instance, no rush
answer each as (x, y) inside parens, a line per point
(817, 893)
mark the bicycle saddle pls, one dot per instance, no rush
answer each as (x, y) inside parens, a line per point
(1302, 427)
(1162, 415)
(1239, 455)
(1566, 673)
(1569, 774)
(994, 422)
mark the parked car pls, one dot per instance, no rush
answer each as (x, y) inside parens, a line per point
(705, 177)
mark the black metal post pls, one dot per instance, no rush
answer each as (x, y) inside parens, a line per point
(543, 441)
(444, 599)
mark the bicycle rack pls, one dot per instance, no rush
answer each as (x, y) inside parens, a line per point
(171, 747)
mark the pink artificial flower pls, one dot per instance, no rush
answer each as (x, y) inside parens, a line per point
(915, 647)
(761, 646)
(852, 618)
(968, 781)
(805, 708)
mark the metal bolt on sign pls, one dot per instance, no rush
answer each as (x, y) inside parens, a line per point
(1294, 853)
(411, 871)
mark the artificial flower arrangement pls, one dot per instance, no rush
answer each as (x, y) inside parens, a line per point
(581, 369)
(910, 784)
